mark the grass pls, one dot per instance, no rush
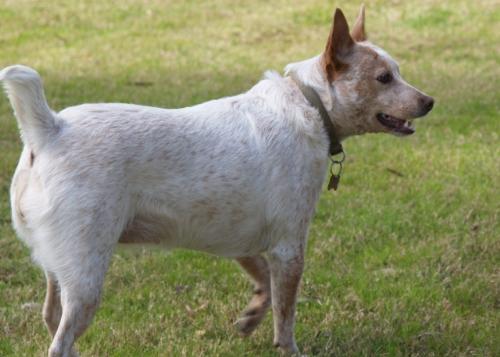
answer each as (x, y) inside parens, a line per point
(403, 260)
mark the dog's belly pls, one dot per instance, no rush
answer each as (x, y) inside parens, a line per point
(227, 222)
(229, 235)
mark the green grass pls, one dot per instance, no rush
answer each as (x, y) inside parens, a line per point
(396, 265)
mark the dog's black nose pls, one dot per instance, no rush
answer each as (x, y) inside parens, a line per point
(427, 103)
(430, 104)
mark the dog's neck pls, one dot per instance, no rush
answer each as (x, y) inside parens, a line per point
(311, 74)
(312, 97)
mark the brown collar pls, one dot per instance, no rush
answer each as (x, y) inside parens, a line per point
(335, 146)
(313, 98)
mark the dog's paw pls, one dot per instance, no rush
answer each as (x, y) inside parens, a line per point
(253, 315)
(251, 318)
(55, 351)
(289, 350)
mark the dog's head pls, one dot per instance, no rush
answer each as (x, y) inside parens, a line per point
(367, 91)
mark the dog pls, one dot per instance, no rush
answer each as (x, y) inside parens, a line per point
(237, 177)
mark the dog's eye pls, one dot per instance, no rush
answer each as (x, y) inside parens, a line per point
(385, 78)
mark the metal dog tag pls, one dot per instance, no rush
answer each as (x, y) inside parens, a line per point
(334, 182)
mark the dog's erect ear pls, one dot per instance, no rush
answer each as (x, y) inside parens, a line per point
(358, 33)
(338, 46)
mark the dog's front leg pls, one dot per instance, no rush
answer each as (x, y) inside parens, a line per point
(286, 263)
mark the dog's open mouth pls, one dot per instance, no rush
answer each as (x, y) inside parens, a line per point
(396, 125)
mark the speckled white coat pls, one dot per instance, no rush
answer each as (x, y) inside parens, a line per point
(232, 176)
(235, 177)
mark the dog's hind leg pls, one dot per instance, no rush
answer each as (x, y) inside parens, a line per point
(80, 254)
(80, 294)
(286, 261)
(258, 269)
(52, 309)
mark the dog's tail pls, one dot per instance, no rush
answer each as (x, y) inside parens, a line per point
(37, 122)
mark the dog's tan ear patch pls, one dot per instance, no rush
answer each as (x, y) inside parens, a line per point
(338, 46)
(358, 33)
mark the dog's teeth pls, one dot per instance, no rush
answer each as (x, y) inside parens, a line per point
(409, 124)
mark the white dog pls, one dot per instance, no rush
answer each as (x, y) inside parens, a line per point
(237, 177)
